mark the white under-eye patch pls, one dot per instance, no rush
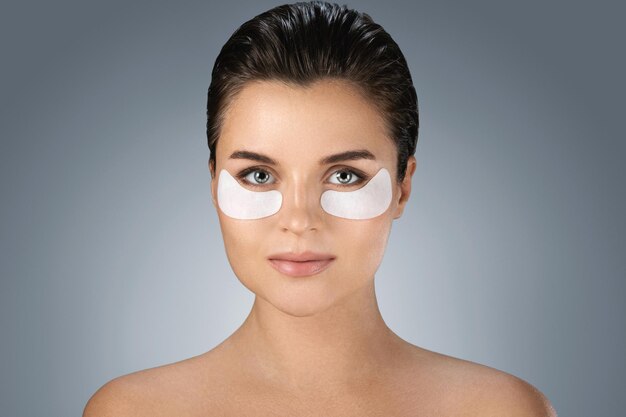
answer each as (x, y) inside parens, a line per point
(240, 203)
(368, 201)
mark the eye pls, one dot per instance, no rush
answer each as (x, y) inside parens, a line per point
(345, 177)
(255, 177)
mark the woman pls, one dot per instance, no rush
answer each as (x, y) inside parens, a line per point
(312, 127)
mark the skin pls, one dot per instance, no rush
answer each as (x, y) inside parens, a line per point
(332, 317)
(314, 345)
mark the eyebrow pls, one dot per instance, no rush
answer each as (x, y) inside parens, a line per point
(330, 159)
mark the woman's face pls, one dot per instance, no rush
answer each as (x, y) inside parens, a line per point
(297, 128)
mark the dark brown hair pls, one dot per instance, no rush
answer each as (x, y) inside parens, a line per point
(302, 43)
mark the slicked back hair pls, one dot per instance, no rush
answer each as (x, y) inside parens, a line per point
(305, 42)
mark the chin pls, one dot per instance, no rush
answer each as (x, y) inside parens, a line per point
(299, 309)
(300, 301)
(304, 296)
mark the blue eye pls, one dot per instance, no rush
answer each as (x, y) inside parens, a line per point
(345, 176)
(255, 177)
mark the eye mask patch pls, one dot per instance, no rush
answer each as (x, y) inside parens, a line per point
(241, 203)
(367, 202)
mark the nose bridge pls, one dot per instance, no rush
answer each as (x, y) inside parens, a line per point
(300, 208)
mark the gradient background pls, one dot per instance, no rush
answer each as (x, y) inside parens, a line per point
(510, 253)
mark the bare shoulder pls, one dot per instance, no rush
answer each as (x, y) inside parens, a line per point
(173, 389)
(506, 394)
(472, 389)
(118, 397)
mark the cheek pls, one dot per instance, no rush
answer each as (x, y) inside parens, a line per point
(241, 242)
(363, 245)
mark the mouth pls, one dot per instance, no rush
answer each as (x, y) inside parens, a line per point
(300, 265)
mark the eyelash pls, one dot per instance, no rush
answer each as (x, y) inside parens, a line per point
(361, 176)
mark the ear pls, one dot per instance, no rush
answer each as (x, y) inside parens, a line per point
(405, 187)
(213, 182)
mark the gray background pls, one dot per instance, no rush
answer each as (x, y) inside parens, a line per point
(510, 252)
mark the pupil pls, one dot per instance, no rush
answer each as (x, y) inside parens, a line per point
(343, 175)
(257, 174)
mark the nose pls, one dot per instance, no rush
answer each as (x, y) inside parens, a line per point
(300, 211)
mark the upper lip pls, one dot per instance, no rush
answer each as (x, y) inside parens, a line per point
(301, 257)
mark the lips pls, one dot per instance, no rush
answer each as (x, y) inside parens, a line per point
(301, 265)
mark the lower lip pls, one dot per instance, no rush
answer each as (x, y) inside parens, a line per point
(300, 269)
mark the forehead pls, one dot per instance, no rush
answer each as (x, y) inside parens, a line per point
(296, 122)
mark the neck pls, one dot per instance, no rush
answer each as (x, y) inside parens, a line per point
(347, 341)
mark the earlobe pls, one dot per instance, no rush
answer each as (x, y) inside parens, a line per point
(212, 173)
(213, 192)
(212, 168)
(405, 187)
